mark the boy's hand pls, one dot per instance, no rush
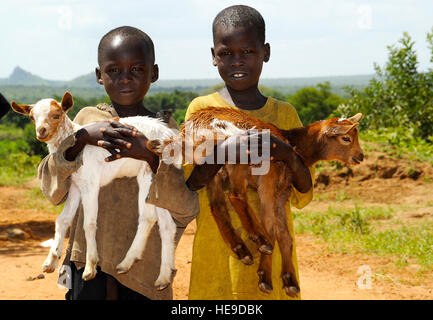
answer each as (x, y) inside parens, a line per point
(127, 141)
(282, 151)
(92, 134)
(278, 150)
(201, 175)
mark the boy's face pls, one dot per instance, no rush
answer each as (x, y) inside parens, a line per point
(239, 55)
(126, 70)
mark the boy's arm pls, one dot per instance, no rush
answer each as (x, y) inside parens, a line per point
(169, 191)
(299, 199)
(54, 172)
(55, 169)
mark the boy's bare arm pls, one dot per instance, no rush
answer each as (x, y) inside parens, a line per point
(130, 142)
(54, 172)
(55, 169)
(168, 189)
(279, 150)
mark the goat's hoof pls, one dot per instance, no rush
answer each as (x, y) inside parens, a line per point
(290, 284)
(264, 246)
(89, 274)
(87, 277)
(50, 264)
(47, 268)
(162, 286)
(121, 270)
(292, 291)
(265, 287)
(248, 260)
(265, 249)
(265, 283)
(162, 283)
(243, 254)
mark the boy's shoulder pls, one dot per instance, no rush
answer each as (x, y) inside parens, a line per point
(282, 114)
(202, 102)
(283, 105)
(90, 114)
(205, 100)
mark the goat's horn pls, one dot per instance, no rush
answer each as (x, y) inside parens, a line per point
(356, 118)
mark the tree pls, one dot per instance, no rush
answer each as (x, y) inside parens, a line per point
(314, 104)
(400, 95)
(169, 100)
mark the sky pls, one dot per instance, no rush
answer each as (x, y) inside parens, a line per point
(58, 40)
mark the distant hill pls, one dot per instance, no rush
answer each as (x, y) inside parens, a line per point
(20, 77)
(24, 86)
(25, 78)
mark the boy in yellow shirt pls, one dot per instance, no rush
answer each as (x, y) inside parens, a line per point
(239, 52)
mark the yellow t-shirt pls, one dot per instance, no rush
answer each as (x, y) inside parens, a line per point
(216, 273)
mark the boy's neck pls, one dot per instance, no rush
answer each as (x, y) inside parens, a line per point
(133, 110)
(249, 99)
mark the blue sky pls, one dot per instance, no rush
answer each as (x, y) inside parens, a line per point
(58, 39)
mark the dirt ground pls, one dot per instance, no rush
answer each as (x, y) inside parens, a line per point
(324, 274)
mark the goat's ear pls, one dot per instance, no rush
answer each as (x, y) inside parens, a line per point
(67, 101)
(356, 118)
(338, 130)
(21, 108)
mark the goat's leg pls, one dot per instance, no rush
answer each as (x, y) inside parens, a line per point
(285, 242)
(266, 192)
(89, 196)
(265, 267)
(238, 198)
(265, 273)
(146, 220)
(221, 215)
(63, 222)
(167, 231)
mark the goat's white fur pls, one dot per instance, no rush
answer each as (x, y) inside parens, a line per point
(96, 173)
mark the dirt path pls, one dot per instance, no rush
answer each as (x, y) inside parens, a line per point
(323, 275)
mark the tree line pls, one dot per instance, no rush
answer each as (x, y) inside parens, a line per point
(399, 98)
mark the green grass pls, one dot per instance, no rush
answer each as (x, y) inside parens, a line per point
(398, 143)
(357, 229)
(341, 196)
(34, 199)
(10, 132)
(16, 165)
(17, 168)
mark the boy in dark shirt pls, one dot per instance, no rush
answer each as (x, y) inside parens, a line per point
(126, 70)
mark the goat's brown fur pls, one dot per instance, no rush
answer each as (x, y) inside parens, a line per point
(321, 140)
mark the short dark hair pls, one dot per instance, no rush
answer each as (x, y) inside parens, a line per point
(130, 33)
(240, 16)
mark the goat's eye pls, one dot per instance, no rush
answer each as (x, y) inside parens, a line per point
(346, 139)
(56, 116)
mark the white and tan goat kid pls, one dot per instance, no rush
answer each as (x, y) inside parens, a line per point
(52, 127)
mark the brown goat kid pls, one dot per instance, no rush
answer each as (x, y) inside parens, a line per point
(334, 139)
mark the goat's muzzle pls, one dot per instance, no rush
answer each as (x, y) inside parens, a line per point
(42, 134)
(358, 159)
